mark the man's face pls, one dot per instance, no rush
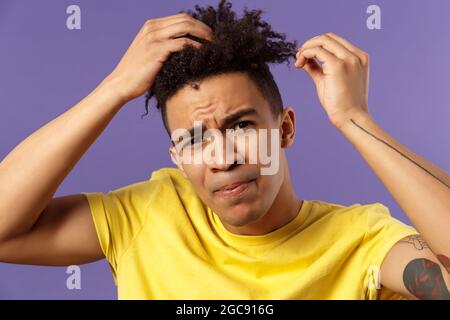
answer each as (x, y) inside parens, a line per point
(238, 193)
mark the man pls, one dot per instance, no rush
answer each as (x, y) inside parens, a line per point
(220, 229)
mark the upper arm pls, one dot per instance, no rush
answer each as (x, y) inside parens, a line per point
(413, 270)
(64, 234)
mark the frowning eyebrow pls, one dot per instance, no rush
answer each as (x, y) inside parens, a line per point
(230, 119)
(227, 121)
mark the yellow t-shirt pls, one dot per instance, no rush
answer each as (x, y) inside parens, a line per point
(162, 242)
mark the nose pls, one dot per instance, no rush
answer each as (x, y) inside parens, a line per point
(216, 167)
(225, 155)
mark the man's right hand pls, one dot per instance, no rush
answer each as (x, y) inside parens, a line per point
(157, 39)
(37, 227)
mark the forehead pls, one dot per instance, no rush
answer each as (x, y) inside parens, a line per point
(213, 99)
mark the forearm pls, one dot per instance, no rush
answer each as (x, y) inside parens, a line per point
(420, 188)
(31, 173)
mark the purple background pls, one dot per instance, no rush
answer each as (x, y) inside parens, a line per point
(45, 69)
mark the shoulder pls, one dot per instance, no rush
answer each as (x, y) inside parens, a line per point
(135, 199)
(170, 180)
(353, 213)
(355, 221)
(161, 180)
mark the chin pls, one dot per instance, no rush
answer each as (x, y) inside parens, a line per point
(240, 216)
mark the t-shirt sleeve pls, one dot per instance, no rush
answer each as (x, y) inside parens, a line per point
(118, 216)
(382, 232)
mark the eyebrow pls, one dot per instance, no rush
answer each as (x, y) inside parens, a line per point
(229, 119)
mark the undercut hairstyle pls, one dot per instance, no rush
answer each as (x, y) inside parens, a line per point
(239, 44)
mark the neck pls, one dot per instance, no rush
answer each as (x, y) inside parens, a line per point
(284, 209)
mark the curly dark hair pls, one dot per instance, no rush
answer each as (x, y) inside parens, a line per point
(245, 44)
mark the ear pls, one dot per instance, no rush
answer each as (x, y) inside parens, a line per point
(287, 127)
(176, 159)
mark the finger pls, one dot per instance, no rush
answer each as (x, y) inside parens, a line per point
(179, 19)
(174, 45)
(313, 69)
(329, 44)
(328, 60)
(157, 23)
(182, 28)
(358, 52)
(160, 23)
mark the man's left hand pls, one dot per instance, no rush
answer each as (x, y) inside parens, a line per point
(341, 77)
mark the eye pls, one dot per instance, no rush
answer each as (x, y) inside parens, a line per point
(196, 140)
(193, 141)
(242, 124)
